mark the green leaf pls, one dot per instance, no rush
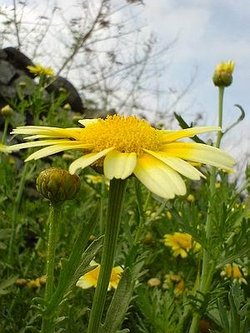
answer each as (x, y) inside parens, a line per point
(184, 125)
(119, 303)
(241, 117)
(5, 284)
(121, 299)
(223, 316)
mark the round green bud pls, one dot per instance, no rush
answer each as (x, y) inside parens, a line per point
(6, 111)
(57, 185)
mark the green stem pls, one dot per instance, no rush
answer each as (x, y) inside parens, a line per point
(116, 195)
(6, 123)
(140, 228)
(220, 116)
(102, 206)
(48, 325)
(15, 212)
(208, 263)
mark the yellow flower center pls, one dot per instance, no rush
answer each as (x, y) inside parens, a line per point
(125, 134)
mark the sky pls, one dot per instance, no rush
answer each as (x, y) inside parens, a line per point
(206, 32)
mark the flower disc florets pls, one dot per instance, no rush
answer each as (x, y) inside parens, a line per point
(125, 134)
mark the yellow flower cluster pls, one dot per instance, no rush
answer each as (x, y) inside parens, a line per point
(181, 243)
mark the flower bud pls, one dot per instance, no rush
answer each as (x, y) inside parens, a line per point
(57, 185)
(223, 74)
(6, 111)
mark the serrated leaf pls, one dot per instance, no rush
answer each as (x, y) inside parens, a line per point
(119, 303)
(223, 316)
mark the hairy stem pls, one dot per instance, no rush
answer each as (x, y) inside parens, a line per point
(116, 195)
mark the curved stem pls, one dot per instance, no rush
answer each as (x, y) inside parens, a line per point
(53, 221)
(116, 194)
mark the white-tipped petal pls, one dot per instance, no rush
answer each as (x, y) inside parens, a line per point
(51, 150)
(86, 122)
(86, 160)
(45, 143)
(119, 165)
(201, 153)
(158, 177)
(188, 132)
(54, 132)
(179, 165)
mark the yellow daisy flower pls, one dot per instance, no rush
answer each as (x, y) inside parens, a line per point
(181, 243)
(126, 145)
(41, 70)
(90, 279)
(235, 272)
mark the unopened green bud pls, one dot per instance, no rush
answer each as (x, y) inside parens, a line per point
(57, 185)
(223, 75)
(6, 111)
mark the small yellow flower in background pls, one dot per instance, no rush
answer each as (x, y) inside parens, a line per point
(235, 272)
(32, 284)
(96, 179)
(126, 145)
(223, 75)
(41, 70)
(90, 279)
(154, 282)
(174, 281)
(181, 243)
(190, 198)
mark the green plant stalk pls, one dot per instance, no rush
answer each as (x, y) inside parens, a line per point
(208, 264)
(5, 129)
(140, 227)
(15, 212)
(102, 207)
(48, 325)
(116, 195)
